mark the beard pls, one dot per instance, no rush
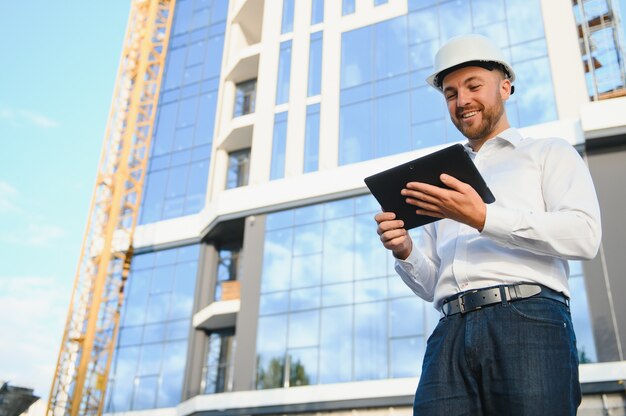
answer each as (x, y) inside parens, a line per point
(490, 117)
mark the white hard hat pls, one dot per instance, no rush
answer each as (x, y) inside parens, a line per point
(468, 50)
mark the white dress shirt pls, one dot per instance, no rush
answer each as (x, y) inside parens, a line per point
(546, 212)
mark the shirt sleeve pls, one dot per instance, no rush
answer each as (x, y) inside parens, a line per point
(419, 270)
(569, 227)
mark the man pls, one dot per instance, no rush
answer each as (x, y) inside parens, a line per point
(498, 273)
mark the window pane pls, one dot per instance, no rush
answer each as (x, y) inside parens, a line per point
(370, 255)
(271, 343)
(455, 19)
(276, 302)
(338, 243)
(317, 11)
(315, 64)
(524, 20)
(336, 345)
(279, 145)
(311, 140)
(145, 392)
(370, 341)
(302, 299)
(287, 21)
(392, 124)
(276, 260)
(122, 379)
(406, 357)
(356, 60)
(307, 271)
(355, 133)
(348, 7)
(303, 329)
(307, 239)
(174, 358)
(337, 294)
(303, 366)
(406, 317)
(284, 73)
(391, 46)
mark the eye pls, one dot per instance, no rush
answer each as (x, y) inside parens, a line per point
(450, 96)
(475, 87)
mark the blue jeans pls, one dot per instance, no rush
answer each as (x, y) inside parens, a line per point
(514, 359)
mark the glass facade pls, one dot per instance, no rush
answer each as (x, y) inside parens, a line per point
(150, 356)
(384, 67)
(178, 168)
(312, 138)
(332, 309)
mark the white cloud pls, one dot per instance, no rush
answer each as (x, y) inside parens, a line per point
(34, 311)
(23, 228)
(8, 195)
(20, 117)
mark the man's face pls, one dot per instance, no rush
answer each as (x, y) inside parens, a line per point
(475, 97)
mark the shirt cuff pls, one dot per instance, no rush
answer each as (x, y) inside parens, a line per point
(412, 262)
(499, 223)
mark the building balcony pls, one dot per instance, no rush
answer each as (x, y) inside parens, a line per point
(223, 313)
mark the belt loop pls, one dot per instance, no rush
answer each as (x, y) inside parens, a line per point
(503, 295)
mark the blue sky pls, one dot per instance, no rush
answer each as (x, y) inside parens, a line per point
(59, 64)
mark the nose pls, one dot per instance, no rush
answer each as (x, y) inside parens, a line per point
(462, 98)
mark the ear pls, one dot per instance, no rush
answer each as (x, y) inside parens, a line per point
(505, 89)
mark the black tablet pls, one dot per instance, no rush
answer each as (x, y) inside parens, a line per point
(453, 160)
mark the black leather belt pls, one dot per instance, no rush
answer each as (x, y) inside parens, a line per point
(476, 299)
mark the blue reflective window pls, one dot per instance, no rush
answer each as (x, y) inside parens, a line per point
(379, 2)
(348, 7)
(279, 145)
(406, 355)
(315, 65)
(355, 133)
(287, 20)
(384, 67)
(312, 138)
(284, 73)
(334, 321)
(356, 61)
(317, 11)
(581, 316)
(186, 112)
(154, 330)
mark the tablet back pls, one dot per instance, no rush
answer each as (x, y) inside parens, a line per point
(453, 160)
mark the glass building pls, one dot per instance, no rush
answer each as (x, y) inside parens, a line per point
(259, 285)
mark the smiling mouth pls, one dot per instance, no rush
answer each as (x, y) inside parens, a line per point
(469, 114)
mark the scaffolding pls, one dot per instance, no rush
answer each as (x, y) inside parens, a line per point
(81, 375)
(602, 46)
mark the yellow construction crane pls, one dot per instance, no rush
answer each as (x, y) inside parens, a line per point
(92, 325)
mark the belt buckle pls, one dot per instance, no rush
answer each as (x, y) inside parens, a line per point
(462, 302)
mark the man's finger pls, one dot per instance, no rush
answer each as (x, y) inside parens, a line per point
(453, 182)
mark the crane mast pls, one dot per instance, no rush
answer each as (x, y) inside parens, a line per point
(81, 375)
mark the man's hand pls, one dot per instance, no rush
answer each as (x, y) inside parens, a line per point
(461, 203)
(393, 235)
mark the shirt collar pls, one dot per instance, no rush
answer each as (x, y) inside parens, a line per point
(510, 135)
